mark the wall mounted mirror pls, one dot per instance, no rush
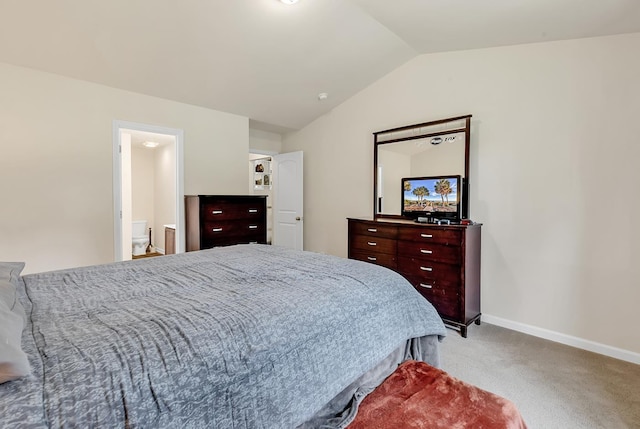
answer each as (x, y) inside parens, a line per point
(430, 149)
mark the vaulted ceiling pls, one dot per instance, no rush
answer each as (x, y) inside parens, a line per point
(269, 61)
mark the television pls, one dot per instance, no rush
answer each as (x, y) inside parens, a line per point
(434, 198)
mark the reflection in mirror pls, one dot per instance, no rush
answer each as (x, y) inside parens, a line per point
(416, 158)
(437, 148)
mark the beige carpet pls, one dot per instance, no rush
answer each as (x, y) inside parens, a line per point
(553, 385)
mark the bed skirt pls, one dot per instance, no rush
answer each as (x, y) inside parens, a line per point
(342, 409)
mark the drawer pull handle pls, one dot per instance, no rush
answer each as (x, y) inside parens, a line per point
(253, 210)
(372, 243)
(372, 230)
(372, 258)
(428, 252)
(217, 229)
(216, 212)
(426, 235)
(424, 285)
(253, 226)
(253, 242)
(426, 268)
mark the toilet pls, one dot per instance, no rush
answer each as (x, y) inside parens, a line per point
(139, 237)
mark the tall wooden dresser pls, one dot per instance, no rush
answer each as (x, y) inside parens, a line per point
(224, 220)
(441, 262)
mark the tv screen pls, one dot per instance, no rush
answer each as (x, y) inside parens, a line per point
(435, 197)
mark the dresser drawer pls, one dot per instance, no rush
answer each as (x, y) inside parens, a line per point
(384, 259)
(221, 210)
(423, 269)
(373, 244)
(447, 304)
(448, 286)
(228, 228)
(230, 240)
(430, 252)
(442, 235)
(375, 229)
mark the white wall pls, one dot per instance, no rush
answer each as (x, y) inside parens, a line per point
(56, 162)
(264, 142)
(142, 187)
(554, 174)
(448, 160)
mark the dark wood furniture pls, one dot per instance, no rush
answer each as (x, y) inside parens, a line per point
(441, 261)
(169, 240)
(224, 220)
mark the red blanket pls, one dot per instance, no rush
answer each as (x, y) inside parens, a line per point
(418, 395)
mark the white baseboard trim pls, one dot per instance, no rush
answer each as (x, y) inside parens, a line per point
(568, 340)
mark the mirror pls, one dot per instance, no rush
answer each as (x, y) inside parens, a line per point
(437, 148)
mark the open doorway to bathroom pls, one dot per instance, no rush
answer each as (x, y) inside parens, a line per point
(148, 191)
(260, 183)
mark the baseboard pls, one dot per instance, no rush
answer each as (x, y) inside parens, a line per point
(159, 250)
(568, 340)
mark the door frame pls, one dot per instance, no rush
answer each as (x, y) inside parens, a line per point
(178, 134)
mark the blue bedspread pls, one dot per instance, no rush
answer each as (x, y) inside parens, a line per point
(249, 336)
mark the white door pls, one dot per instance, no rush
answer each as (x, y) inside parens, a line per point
(287, 200)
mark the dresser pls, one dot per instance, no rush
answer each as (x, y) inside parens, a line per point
(224, 220)
(442, 262)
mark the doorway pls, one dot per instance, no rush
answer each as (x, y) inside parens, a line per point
(148, 185)
(260, 183)
(280, 178)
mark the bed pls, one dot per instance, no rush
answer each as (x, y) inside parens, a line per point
(246, 336)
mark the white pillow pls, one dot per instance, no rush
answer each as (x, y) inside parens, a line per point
(13, 361)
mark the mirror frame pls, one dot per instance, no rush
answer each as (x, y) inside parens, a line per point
(464, 214)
